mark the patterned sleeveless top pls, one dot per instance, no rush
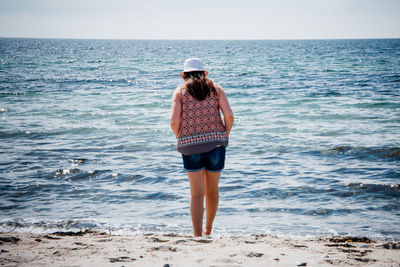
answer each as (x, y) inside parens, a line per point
(201, 128)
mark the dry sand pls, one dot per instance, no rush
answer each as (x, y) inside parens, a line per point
(92, 248)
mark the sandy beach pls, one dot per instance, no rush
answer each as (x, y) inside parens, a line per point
(91, 248)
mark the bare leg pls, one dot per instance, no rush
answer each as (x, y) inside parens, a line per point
(212, 198)
(196, 180)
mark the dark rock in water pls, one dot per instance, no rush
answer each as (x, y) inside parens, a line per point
(67, 171)
(38, 240)
(4, 250)
(302, 264)
(79, 160)
(342, 149)
(166, 265)
(10, 239)
(393, 154)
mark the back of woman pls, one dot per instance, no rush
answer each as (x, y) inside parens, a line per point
(202, 137)
(201, 128)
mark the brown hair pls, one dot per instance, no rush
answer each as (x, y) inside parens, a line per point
(198, 85)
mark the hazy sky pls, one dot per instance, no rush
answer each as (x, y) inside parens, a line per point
(203, 19)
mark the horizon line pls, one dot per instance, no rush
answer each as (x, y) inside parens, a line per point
(200, 39)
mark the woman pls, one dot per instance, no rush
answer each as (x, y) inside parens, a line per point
(202, 138)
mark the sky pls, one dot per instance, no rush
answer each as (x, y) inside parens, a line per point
(204, 19)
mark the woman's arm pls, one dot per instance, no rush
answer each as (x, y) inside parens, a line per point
(176, 111)
(225, 108)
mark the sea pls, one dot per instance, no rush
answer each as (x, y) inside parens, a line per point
(85, 140)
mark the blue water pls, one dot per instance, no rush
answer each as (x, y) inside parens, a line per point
(315, 149)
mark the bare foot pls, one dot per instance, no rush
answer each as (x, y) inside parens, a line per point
(207, 231)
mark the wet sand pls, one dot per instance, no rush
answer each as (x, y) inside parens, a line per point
(91, 248)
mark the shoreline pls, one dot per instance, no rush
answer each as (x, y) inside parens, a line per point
(93, 248)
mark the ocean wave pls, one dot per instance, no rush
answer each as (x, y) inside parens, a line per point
(340, 190)
(388, 153)
(71, 225)
(74, 174)
(325, 93)
(304, 211)
(43, 134)
(43, 227)
(23, 133)
(378, 104)
(386, 191)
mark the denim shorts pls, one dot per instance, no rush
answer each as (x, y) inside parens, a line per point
(212, 161)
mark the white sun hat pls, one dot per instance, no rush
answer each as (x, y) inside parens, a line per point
(193, 64)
